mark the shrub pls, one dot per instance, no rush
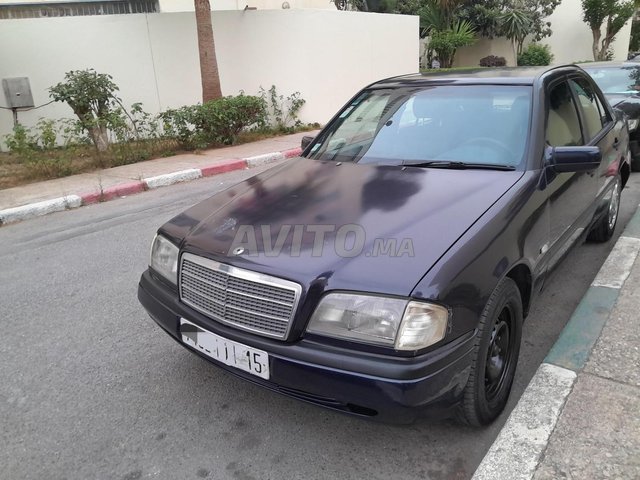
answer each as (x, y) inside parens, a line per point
(36, 149)
(223, 119)
(216, 122)
(178, 123)
(493, 61)
(282, 112)
(135, 135)
(535, 55)
(22, 142)
(446, 42)
(54, 148)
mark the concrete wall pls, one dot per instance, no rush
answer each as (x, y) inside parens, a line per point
(326, 55)
(168, 6)
(187, 5)
(471, 55)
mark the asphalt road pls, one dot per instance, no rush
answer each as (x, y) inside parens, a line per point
(91, 388)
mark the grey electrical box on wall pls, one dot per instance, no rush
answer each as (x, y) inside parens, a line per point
(18, 92)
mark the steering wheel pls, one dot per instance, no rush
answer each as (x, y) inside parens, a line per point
(488, 142)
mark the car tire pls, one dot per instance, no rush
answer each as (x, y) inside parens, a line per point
(606, 225)
(497, 346)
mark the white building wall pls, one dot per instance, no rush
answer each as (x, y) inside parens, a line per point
(187, 5)
(326, 55)
(33, 1)
(168, 6)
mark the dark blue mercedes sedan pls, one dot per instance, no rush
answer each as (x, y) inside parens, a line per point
(386, 272)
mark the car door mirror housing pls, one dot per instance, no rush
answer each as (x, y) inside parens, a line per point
(306, 140)
(575, 159)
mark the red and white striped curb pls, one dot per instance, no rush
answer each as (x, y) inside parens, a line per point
(67, 202)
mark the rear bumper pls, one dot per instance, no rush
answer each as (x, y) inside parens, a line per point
(390, 389)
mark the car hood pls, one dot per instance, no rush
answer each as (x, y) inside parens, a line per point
(415, 214)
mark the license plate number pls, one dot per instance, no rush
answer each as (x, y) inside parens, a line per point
(231, 353)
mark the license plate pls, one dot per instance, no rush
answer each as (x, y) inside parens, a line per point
(231, 353)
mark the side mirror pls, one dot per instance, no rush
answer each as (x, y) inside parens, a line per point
(306, 140)
(575, 159)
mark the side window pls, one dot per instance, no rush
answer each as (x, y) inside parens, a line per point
(563, 125)
(594, 113)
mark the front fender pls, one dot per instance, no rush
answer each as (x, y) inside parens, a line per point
(513, 232)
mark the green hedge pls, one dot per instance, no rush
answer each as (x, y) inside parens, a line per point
(215, 122)
(535, 55)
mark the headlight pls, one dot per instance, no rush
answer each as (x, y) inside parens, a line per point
(633, 124)
(164, 258)
(393, 322)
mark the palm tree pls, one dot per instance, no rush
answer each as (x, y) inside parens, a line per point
(438, 21)
(516, 25)
(208, 63)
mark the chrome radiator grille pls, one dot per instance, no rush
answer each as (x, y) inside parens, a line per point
(244, 299)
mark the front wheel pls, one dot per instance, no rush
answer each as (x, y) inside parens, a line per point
(496, 349)
(606, 225)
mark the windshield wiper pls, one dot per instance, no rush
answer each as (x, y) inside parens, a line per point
(457, 165)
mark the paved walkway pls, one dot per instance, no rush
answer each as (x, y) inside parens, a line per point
(580, 416)
(103, 179)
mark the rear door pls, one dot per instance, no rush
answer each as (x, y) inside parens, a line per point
(600, 129)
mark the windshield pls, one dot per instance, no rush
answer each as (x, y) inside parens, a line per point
(621, 80)
(474, 124)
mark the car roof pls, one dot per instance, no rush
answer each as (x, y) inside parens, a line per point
(488, 76)
(590, 65)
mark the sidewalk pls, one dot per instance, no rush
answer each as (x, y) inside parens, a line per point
(19, 203)
(579, 418)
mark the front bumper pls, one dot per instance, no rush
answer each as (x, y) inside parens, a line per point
(386, 388)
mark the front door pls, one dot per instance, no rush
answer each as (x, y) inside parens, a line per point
(570, 195)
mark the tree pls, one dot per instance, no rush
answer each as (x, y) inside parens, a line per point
(517, 20)
(488, 16)
(634, 42)
(446, 42)
(91, 96)
(484, 16)
(446, 32)
(538, 11)
(516, 25)
(376, 6)
(209, 74)
(612, 14)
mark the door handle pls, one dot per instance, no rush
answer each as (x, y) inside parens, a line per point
(616, 143)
